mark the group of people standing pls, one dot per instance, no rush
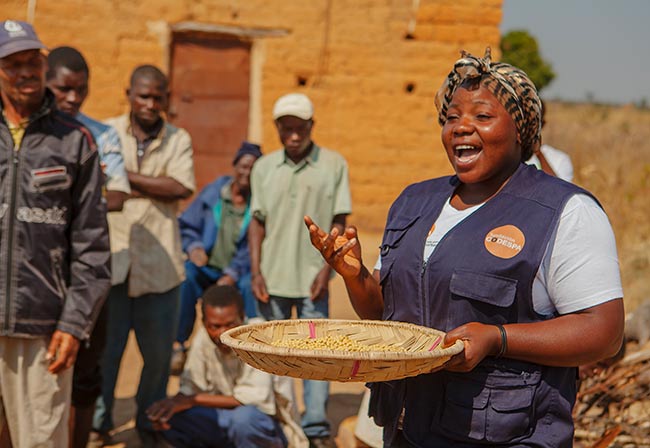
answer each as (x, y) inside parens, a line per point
(73, 294)
(517, 264)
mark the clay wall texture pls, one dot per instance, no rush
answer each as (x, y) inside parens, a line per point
(371, 67)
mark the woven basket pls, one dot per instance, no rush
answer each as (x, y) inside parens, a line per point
(253, 344)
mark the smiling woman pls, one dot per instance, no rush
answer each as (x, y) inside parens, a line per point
(481, 140)
(516, 264)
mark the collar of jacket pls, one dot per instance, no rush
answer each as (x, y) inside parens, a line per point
(47, 105)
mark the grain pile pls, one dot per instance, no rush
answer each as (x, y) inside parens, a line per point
(343, 343)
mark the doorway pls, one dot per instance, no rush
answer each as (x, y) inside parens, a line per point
(210, 97)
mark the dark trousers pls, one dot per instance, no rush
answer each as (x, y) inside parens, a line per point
(153, 317)
(87, 377)
(241, 427)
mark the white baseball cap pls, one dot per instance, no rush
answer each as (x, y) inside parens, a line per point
(294, 104)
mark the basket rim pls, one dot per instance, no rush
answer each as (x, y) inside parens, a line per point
(229, 338)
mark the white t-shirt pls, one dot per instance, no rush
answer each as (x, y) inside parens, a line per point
(558, 160)
(580, 266)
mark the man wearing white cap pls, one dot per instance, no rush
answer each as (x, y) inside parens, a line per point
(54, 248)
(299, 179)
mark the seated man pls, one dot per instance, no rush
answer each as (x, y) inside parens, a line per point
(224, 402)
(214, 232)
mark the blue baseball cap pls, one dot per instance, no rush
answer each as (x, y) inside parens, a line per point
(16, 36)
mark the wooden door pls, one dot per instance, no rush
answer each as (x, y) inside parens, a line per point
(210, 98)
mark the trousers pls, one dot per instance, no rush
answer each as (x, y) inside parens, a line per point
(153, 318)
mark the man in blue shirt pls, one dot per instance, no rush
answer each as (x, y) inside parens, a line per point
(214, 233)
(67, 78)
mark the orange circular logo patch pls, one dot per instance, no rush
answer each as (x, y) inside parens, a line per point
(505, 241)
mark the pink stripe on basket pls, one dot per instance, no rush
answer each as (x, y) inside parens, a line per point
(355, 368)
(312, 330)
(436, 343)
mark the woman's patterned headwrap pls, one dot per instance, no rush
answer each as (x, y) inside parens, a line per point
(511, 87)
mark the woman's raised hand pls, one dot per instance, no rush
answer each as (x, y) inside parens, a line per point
(341, 252)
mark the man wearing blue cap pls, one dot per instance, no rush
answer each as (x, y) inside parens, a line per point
(214, 234)
(55, 270)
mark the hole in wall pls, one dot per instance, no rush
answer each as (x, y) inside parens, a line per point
(409, 87)
(301, 81)
(409, 36)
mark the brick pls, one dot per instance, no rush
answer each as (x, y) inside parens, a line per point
(357, 66)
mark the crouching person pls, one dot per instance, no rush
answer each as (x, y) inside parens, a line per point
(224, 402)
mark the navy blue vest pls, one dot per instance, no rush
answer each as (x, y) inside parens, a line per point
(481, 271)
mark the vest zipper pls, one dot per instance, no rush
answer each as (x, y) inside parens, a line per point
(423, 295)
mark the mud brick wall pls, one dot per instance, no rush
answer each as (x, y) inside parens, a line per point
(372, 68)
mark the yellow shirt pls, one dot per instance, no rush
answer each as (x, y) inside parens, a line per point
(145, 238)
(17, 131)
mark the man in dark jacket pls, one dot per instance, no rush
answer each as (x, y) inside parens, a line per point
(214, 233)
(53, 245)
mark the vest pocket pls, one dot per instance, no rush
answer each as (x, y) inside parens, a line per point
(494, 407)
(395, 231)
(488, 288)
(393, 234)
(386, 403)
(481, 297)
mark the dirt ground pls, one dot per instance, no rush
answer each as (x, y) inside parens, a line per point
(344, 397)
